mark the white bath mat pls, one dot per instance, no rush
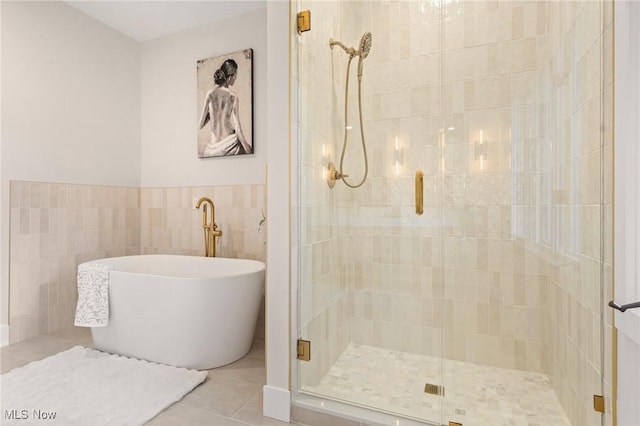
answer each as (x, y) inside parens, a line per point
(87, 387)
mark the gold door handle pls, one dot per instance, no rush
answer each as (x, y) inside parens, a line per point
(419, 192)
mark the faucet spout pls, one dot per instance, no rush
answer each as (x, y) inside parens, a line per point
(210, 228)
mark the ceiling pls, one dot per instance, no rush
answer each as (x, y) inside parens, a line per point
(145, 20)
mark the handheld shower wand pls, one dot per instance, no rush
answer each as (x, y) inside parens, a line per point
(361, 53)
(365, 47)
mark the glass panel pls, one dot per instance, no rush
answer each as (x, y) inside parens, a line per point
(495, 291)
(522, 191)
(325, 268)
(371, 280)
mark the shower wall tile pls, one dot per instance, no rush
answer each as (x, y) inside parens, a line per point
(53, 228)
(580, 201)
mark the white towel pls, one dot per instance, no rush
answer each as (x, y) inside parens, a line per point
(93, 295)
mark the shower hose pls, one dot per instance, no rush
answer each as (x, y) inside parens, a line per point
(344, 143)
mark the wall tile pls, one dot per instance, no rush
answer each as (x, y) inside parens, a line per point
(55, 229)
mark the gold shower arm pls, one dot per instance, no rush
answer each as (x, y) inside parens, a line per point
(350, 50)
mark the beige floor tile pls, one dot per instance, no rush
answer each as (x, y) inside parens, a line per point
(251, 413)
(182, 415)
(221, 396)
(247, 369)
(8, 363)
(37, 348)
(257, 349)
(77, 335)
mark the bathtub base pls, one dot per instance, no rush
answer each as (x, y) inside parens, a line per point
(186, 311)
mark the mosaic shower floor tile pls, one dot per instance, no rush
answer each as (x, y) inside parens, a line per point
(475, 395)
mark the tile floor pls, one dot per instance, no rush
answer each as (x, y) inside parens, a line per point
(475, 395)
(231, 395)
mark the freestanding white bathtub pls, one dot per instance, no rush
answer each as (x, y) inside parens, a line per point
(187, 311)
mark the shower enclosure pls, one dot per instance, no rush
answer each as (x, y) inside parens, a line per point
(487, 308)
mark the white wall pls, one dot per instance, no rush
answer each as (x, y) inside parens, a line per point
(70, 104)
(627, 208)
(276, 392)
(4, 242)
(628, 379)
(70, 95)
(170, 111)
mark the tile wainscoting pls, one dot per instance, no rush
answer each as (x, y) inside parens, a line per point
(56, 226)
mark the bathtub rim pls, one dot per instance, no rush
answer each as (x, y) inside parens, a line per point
(259, 266)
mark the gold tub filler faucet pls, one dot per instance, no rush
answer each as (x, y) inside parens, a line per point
(210, 228)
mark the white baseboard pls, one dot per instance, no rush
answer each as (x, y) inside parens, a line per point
(4, 335)
(276, 403)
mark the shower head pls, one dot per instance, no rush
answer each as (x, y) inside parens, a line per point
(363, 52)
(365, 45)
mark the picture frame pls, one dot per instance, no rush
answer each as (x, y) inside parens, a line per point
(225, 105)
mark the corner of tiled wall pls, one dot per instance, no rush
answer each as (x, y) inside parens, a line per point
(54, 227)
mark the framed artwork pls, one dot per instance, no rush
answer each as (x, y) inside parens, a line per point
(225, 98)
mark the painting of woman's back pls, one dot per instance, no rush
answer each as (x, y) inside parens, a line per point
(225, 105)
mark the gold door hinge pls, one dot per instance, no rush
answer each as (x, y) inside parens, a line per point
(598, 403)
(304, 21)
(304, 350)
(433, 389)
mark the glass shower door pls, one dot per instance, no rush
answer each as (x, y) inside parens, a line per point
(370, 275)
(523, 248)
(487, 307)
